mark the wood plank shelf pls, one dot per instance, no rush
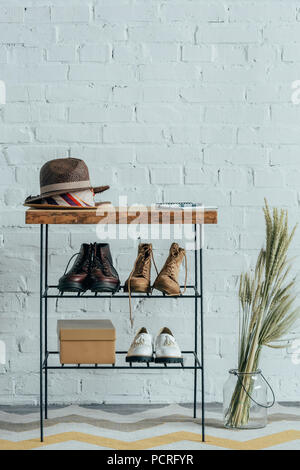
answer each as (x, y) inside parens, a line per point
(124, 215)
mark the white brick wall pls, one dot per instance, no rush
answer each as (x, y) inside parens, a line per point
(183, 99)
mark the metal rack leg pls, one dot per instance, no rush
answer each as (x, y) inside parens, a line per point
(46, 323)
(202, 342)
(196, 322)
(41, 331)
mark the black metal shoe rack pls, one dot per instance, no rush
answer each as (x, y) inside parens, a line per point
(51, 292)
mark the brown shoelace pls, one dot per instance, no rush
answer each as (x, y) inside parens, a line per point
(172, 265)
(140, 259)
(81, 263)
(102, 263)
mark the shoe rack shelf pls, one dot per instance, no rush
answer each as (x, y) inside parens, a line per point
(52, 292)
(114, 215)
(187, 355)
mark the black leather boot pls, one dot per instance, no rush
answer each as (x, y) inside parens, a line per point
(103, 276)
(77, 278)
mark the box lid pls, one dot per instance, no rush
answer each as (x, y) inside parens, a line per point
(83, 330)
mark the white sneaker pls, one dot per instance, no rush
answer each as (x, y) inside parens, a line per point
(141, 349)
(166, 348)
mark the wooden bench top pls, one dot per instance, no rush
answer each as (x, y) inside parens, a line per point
(123, 215)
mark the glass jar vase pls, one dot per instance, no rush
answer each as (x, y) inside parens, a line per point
(245, 400)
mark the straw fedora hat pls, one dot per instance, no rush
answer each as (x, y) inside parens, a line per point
(62, 175)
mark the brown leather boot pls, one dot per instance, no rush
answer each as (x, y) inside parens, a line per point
(103, 276)
(77, 279)
(140, 277)
(167, 280)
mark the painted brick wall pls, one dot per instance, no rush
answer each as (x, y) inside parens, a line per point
(165, 100)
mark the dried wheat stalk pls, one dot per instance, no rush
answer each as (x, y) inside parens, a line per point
(267, 313)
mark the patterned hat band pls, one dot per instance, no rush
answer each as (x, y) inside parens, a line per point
(72, 199)
(77, 185)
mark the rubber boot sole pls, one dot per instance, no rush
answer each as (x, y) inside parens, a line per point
(139, 359)
(71, 287)
(105, 287)
(169, 360)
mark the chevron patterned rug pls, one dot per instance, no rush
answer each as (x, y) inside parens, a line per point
(128, 427)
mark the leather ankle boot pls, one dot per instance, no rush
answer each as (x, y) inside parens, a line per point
(167, 280)
(77, 278)
(140, 277)
(103, 276)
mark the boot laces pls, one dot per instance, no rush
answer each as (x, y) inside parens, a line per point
(142, 262)
(140, 268)
(102, 262)
(85, 263)
(81, 263)
(172, 266)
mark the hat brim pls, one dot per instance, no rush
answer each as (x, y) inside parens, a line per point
(96, 189)
(54, 207)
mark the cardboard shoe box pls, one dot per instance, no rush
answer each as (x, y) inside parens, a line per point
(86, 341)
